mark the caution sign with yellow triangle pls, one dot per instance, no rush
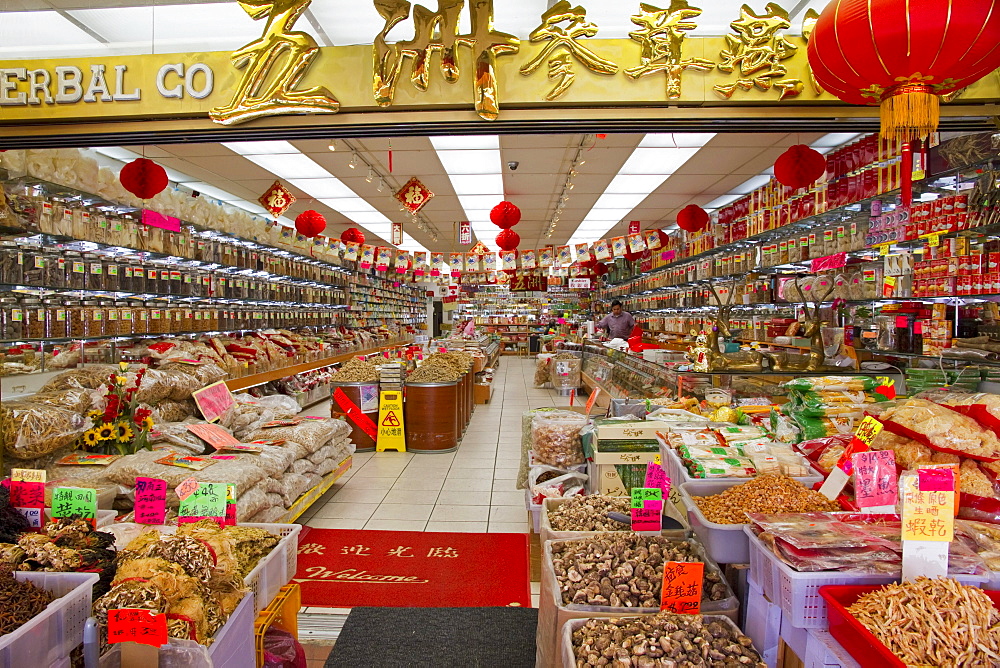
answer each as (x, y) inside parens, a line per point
(391, 434)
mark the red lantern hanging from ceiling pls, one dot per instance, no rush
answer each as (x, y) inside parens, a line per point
(903, 55)
(143, 178)
(508, 240)
(505, 215)
(799, 166)
(601, 269)
(310, 223)
(352, 234)
(692, 218)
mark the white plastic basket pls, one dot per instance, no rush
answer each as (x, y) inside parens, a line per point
(232, 647)
(56, 631)
(823, 651)
(270, 574)
(534, 510)
(798, 593)
(680, 475)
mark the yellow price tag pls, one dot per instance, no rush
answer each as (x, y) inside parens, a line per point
(27, 475)
(883, 250)
(934, 240)
(657, 460)
(927, 514)
(868, 430)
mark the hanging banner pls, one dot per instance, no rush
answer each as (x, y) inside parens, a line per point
(457, 263)
(652, 238)
(509, 260)
(471, 262)
(464, 233)
(402, 261)
(564, 255)
(601, 250)
(382, 259)
(618, 246)
(419, 264)
(583, 252)
(528, 259)
(490, 261)
(636, 244)
(545, 257)
(633, 227)
(351, 249)
(437, 263)
(367, 256)
(397, 233)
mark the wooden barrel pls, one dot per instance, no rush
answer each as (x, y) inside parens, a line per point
(430, 416)
(364, 396)
(471, 389)
(463, 399)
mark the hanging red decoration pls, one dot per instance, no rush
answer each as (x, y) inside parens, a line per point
(143, 178)
(508, 240)
(903, 55)
(799, 166)
(601, 269)
(632, 257)
(352, 234)
(505, 215)
(310, 223)
(691, 218)
(589, 264)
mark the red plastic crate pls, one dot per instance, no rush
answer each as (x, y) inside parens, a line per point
(866, 649)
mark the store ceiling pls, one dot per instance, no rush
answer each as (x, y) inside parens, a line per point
(708, 170)
(48, 28)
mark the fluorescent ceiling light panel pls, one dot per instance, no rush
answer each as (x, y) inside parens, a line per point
(323, 188)
(835, 139)
(20, 31)
(664, 161)
(370, 219)
(468, 162)
(634, 183)
(477, 184)
(347, 205)
(615, 201)
(260, 147)
(751, 184)
(290, 166)
(676, 140)
(473, 205)
(721, 201)
(465, 142)
(213, 192)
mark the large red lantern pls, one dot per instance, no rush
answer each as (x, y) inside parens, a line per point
(508, 240)
(505, 215)
(903, 55)
(143, 178)
(352, 234)
(601, 269)
(799, 166)
(310, 223)
(692, 218)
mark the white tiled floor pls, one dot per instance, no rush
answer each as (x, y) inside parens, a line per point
(470, 490)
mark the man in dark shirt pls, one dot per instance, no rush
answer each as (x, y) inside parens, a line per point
(618, 324)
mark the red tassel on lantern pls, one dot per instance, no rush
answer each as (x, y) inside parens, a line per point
(143, 178)
(508, 240)
(799, 166)
(352, 234)
(691, 218)
(505, 215)
(310, 223)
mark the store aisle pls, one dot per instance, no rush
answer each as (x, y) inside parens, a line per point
(471, 490)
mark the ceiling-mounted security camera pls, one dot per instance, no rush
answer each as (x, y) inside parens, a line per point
(512, 165)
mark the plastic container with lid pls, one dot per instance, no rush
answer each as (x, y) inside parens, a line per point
(12, 319)
(10, 264)
(95, 271)
(35, 319)
(33, 266)
(76, 271)
(58, 319)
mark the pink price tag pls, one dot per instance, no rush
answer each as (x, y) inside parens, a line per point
(150, 500)
(647, 519)
(875, 478)
(657, 477)
(936, 480)
(187, 487)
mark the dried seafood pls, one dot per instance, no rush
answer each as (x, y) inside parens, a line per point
(19, 602)
(769, 493)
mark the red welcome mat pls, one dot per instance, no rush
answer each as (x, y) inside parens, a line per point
(344, 568)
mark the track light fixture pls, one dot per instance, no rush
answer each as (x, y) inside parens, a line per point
(332, 145)
(353, 164)
(371, 175)
(381, 185)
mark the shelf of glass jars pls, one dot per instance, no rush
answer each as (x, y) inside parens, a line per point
(71, 214)
(845, 214)
(89, 266)
(940, 359)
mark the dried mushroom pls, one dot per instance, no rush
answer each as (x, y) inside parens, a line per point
(590, 513)
(623, 570)
(662, 640)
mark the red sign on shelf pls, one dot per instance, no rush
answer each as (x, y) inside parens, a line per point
(213, 400)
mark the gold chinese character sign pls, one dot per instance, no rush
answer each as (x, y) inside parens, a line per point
(439, 32)
(661, 36)
(414, 195)
(273, 66)
(755, 52)
(276, 199)
(561, 45)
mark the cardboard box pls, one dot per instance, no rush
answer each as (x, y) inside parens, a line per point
(481, 394)
(607, 478)
(628, 429)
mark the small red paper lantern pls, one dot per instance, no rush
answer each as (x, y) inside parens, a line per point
(143, 178)
(692, 218)
(310, 223)
(508, 240)
(799, 166)
(352, 234)
(903, 55)
(505, 215)
(632, 257)
(601, 269)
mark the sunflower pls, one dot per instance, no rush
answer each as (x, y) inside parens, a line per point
(90, 437)
(124, 433)
(95, 414)
(106, 431)
(146, 423)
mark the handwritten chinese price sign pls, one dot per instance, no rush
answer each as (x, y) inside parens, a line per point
(74, 502)
(875, 479)
(681, 592)
(27, 494)
(213, 400)
(150, 500)
(841, 473)
(209, 500)
(647, 509)
(928, 502)
(137, 625)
